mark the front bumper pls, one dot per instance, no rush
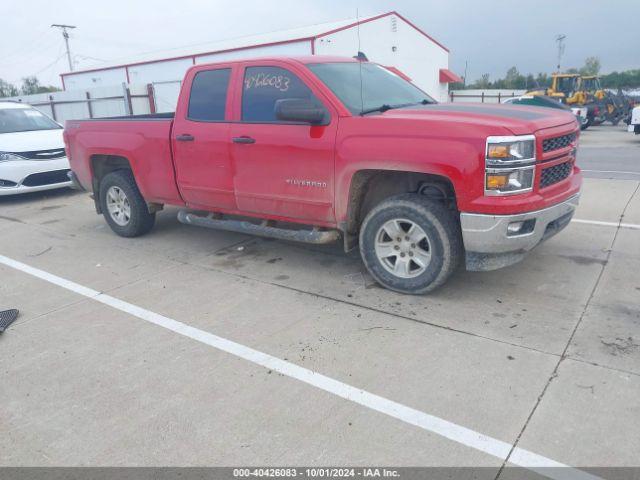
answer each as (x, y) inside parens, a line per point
(490, 246)
(24, 176)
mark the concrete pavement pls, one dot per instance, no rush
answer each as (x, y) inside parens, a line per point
(543, 356)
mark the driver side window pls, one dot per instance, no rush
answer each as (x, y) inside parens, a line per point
(263, 86)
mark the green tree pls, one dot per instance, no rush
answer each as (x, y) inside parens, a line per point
(483, 82)
(627, 79)
(7, 89)
(513, 78)
(31, 85)
(529, 82)
(542, 80)
(591, 66)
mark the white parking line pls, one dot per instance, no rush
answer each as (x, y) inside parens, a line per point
(632, 226)
(457, 433)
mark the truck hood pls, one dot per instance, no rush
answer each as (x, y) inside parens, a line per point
(31, 141)
(519, 120)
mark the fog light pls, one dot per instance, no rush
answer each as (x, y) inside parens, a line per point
(521, 228)
(515, 227)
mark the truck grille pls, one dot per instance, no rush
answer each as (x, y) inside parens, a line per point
(555, 174)
(46, 178)
(43, 154)
(555, 143)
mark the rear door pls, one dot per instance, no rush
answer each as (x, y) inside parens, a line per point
(200, 140)
(282, 169)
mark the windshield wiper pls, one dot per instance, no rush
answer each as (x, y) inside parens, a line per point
(382, 108)
(385, 106)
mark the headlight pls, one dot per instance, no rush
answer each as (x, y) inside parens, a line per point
(510, 165)
(9, 157)
(503, 151)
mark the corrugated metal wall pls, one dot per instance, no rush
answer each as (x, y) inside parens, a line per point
(91, 103)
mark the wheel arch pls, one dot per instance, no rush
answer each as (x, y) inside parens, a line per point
(370, 187)
(102, 165)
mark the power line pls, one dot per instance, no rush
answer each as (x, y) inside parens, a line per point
(25, 49)
(29, 58)
(65, 35)
(43, 68)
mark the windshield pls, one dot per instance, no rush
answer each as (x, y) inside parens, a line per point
(566, 84)
(591, 84)
(24, 120)
(380, 87)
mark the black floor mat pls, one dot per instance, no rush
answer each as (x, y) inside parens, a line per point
(6, 318)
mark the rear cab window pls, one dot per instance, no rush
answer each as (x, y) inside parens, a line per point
(208, 96)
(263, 86)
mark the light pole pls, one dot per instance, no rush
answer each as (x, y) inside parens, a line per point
(560, 40)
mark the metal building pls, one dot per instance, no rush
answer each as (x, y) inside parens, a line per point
(388, 39)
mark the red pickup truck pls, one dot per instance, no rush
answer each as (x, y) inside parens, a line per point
(315, 149)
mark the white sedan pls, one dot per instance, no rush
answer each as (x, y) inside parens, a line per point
(32, 155)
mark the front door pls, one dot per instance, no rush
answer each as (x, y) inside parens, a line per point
(201, 142)
(282, 169)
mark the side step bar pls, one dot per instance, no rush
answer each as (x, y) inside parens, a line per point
(263, 230)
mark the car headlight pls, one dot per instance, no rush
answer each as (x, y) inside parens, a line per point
(9, 157)
(510, 165)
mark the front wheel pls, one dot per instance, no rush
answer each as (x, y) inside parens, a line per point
(411, 244)
(123, 206)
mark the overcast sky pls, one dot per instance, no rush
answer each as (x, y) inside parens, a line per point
(492, 35)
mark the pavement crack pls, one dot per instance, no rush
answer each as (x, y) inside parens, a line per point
(564, 354)
(41, 253)
(376, 310)
(606, 367)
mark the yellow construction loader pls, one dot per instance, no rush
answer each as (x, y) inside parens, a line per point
(567, 89)
(613, 107)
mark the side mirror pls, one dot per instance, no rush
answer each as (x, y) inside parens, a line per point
(299, 110)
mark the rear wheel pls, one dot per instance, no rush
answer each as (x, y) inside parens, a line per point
(123, 206)
(411, 244)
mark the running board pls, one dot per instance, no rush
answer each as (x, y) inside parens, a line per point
(315, 236)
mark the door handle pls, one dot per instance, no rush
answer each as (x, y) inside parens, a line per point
(243, 139)
(185, 138)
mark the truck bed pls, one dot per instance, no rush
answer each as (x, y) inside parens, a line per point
(143, 140)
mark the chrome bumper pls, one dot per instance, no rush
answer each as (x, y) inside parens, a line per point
(490, 246)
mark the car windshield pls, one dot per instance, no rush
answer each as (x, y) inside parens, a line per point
(381, 88)
(24, 120)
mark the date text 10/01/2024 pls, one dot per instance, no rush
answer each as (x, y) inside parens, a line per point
(316, 472)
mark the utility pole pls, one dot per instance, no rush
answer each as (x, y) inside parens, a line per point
(560, 41)
(65, 35)
(464, 79)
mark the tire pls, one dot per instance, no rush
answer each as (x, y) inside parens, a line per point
(442, 242)
(120, 188)
(585, 124)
